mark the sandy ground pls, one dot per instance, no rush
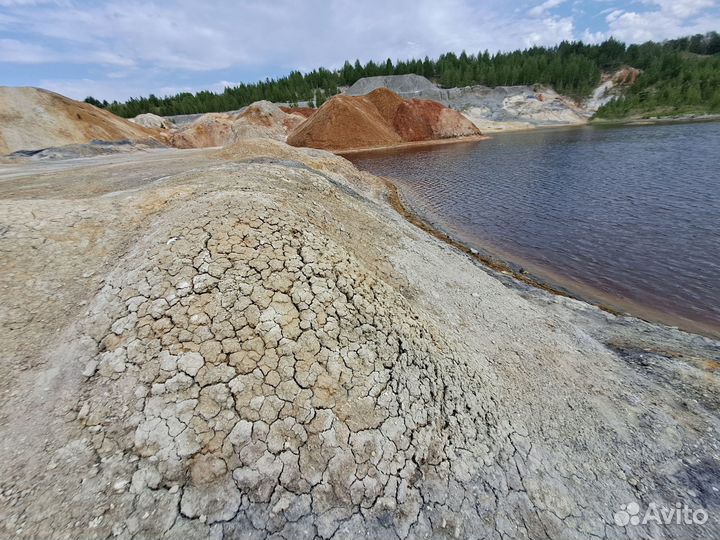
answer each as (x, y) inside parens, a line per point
(252, 343)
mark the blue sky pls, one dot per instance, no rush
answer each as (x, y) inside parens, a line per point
(114, 50)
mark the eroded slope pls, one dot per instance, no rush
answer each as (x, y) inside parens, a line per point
(32, 118)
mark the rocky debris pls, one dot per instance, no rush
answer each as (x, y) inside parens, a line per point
(519, 107)
(31, 119)
(626, 76)
(258, 346)
(382, 118)
(264, 114)
(611, 87)
(261, 119)
(306, 112)
(406, 86)
(154, 121)
(211, 129)
(91, 149)
(501, 108)
(184, 120)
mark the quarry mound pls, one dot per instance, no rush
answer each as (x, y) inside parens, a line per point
(307, 112)
(260, 119)
(32, 118)
(404, 85)
(150, 120)
(382, 118)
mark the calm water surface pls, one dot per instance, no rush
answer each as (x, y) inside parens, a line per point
(627, 216)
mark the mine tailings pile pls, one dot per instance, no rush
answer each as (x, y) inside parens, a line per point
(31, 118)
(380, 118)
(261, 119)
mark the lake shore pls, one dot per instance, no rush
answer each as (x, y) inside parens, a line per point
(640, 121)
(552, 226)
(410, 145)
(491, 128)
(209, 342)
(521, 275)
(527, 273)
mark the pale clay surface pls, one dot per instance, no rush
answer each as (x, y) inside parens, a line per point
(198, 348)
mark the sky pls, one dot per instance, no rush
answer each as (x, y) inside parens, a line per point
(117, 49)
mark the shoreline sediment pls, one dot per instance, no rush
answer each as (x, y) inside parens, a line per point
(516, 272)
(680, 119)
(413, 144)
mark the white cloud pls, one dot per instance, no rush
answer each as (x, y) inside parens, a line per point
(138, 46)
(21, 52)
(593, 37)
(665, 19)
(681, 8)
(220, 86)
(117, 88)
(102, 89)
(223, 35)
(542, 9)
(18, 52)
(560, 29)
(16, 3)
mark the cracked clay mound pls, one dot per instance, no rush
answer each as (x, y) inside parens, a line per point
(250, 343)
(381, 118)
(31, 119)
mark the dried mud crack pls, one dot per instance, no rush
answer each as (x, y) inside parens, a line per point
(262, 348)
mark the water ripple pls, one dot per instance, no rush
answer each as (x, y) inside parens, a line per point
(632, 211)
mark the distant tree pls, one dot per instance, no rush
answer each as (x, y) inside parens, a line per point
(428, 68)
(713, 43)
(389, 68)
(347, 74)
(96, 102)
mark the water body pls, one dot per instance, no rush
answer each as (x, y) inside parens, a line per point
(628, 217)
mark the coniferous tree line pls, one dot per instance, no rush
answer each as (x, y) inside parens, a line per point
(678, 74)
